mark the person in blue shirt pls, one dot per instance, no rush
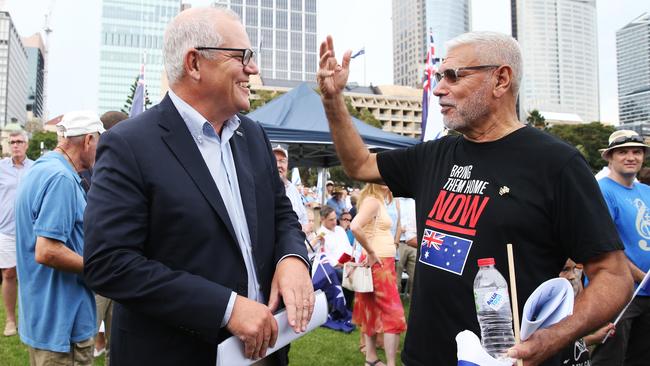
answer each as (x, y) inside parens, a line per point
(57, 309)
(628, 202)
(337, 202)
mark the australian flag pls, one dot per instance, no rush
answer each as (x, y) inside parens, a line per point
(324, 278)
(444, 251)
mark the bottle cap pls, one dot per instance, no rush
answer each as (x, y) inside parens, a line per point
(485, 262)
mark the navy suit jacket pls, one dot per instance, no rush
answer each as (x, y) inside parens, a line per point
(158, 239)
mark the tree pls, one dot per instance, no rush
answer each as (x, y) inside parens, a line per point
(535, 119)
(587, 138)
(49, 140)
(261, 97)
(129, 100)
(364, 114)
(33, 125)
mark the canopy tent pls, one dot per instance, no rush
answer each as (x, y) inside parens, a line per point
(298, 119)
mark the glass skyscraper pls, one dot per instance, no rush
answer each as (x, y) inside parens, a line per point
(633, 68)
(283, 33)
(35, 74)
(13, 73)
(559, 42)
(132, 31)
(412, 21)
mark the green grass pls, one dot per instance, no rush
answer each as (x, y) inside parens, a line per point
(320, 347)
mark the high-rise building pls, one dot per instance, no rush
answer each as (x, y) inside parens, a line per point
(131, 31)
(559, 43)
(35, 49)
(13, 73)
(412, 21)
(633, 69)
(283, 32)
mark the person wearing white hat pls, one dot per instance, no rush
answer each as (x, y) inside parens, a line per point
(629, 204)
(57, 309)
(282, 160)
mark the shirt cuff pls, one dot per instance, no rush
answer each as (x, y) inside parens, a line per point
(297, 256)
(228, 313)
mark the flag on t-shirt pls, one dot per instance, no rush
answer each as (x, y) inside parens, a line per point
(432, 125)
(137, 105)
(444, 251)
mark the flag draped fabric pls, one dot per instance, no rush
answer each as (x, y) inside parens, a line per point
(432, 126)
(324, 278)
(137, 105)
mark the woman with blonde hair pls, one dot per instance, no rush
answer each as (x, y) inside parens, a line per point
(379, 311)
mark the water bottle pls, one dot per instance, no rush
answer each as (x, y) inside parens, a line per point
(493, 309)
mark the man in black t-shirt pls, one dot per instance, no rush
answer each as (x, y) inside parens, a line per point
(500, 182)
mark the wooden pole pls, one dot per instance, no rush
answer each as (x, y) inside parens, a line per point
(513, 297)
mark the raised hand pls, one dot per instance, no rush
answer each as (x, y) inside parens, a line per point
(332, 77)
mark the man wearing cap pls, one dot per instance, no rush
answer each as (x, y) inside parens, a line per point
(337, 202)
(629, 205)
(12, 169)
(194, 237)
(282, 159)
(57, 309)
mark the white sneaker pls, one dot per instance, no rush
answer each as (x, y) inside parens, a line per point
(99, 352)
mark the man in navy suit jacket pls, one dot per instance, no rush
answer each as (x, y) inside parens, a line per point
(188, 227)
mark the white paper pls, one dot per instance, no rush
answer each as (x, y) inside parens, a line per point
(231, 351)
(551, 302)
(470, 350)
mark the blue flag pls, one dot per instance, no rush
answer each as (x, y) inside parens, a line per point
(137, 105)
(359, 53)
(444, 251)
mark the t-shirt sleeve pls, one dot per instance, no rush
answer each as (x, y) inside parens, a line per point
(583, 224)
(56, 212)
(397, 167)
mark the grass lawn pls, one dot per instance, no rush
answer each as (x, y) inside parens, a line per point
(320, 347)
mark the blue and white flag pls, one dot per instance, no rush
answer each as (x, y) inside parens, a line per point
(324, 278)
(295, 176)
(361, 52)
(444, 251)
(432, 125)
(137, 105)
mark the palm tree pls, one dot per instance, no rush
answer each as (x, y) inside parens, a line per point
(535, 119)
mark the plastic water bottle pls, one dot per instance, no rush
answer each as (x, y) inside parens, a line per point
(493, 309)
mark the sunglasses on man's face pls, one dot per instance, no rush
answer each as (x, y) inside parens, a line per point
(452, 75)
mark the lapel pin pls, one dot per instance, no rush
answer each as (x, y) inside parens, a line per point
(239, 133)
(504, 190)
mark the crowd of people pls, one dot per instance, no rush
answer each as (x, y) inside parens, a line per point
(179, 227)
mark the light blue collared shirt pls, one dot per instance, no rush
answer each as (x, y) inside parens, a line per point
(10, 176)
(217, 155)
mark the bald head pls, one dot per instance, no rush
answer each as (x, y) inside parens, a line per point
(111, 118)
(202, 26)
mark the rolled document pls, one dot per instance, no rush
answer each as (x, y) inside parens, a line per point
(551, 302)
(231, 351)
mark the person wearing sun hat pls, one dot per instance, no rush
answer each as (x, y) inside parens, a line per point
(629, 204)
(282, 159)
(57, 309)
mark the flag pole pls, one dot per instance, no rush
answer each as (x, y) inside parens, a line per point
(513, 293)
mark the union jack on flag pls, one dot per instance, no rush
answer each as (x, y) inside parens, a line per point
(432, 125)
(444, 251)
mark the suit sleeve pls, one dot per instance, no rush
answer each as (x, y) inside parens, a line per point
(116, 224)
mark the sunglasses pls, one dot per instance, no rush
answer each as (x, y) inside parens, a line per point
(246, 53)
(346, 219)
(16, 142)
(452, 75)
(625, 139)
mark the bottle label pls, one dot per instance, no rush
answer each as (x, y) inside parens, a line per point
(495, 299)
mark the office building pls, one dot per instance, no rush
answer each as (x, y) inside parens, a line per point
(35, 49)
(13, 73)
(559, 43)
(633, 70)
(412, 21)
(283, 33)
(131, 31)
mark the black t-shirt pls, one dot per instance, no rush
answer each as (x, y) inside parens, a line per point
(576, 354)
(528, 188)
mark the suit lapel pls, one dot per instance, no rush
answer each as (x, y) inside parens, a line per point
(241, 155)
(181, 143)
